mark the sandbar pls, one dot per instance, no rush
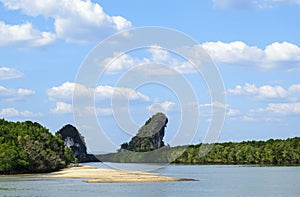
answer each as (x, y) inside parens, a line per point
(94, 174)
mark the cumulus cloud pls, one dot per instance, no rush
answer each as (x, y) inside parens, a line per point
(232, 52)
(23, 36)
(14, 94)
(14, 113)
(121, 62)
(276, 55)
(78, 21)
(267, 91)
(9, 73)
(62, 108)
(65, 92)
(285, 56)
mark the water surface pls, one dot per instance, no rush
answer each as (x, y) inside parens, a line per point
(214, 180)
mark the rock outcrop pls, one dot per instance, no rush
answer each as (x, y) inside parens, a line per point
(150, 135)
(74, 140)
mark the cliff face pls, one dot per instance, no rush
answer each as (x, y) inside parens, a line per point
(150, 135)
(74, 140)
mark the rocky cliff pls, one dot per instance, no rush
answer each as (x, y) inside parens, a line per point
(150, 135)
(74, 140)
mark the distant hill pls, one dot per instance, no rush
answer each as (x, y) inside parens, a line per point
(150, 135)
(27, 147)
(74, 140)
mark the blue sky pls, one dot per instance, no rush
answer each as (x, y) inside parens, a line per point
(254, 44)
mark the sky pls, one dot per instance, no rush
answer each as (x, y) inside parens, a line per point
(254, 47)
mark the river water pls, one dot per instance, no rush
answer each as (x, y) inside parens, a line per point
(213, 180)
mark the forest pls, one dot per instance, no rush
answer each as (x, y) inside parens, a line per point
(27, 147)
(270, 152)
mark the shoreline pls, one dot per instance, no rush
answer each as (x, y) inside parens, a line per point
(102, 175)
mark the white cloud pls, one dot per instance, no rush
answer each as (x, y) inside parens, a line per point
(121, 62)
(23, 36)
(167, 105)
(233, 4)
(250, 4)
(294, 92)
(105, 92)
(98, 110)
(281, 108)
(231, 112)
(248, 118)
(62, 108)
(78, 21)
(287, 1)
(163, 107)
(12, 112)
(276, 55)
(9, 73)
(14, 94)
(159, 54)
(268, 92)
(65, 92)
(232, 52)
(214, 104)
(282, 52)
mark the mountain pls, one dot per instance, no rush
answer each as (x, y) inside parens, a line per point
(150, 135)
(75, 141)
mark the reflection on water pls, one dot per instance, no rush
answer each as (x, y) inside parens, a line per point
(214, 180)
(133, 167)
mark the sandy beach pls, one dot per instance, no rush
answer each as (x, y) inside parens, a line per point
(102, 175)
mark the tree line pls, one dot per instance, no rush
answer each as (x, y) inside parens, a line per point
(248, 152)
(270, 152)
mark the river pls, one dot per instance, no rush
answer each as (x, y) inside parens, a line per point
(213, 180)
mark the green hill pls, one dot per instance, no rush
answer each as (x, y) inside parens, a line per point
(27, 147)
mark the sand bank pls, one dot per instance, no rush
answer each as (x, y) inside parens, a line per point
(102, 175)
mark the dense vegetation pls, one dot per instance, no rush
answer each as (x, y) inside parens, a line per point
(271, 152)
(250, 152)
(29, 147)
(150, 135)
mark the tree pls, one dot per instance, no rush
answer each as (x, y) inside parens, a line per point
(30, 147)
